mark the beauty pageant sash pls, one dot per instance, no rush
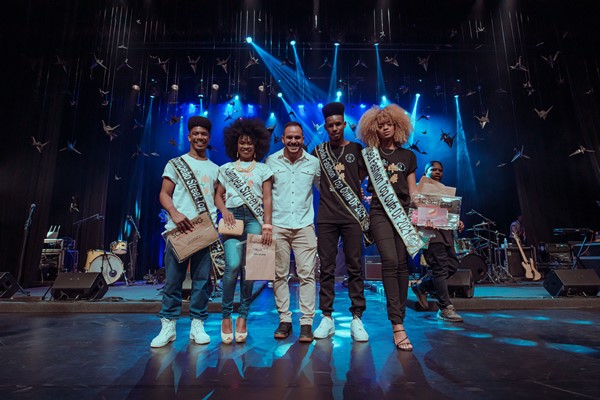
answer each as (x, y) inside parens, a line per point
(389, 200)
(240, 185)
(185, 173)
(347, 198)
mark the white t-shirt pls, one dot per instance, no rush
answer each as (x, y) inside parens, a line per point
(207, 173)
(255, 179)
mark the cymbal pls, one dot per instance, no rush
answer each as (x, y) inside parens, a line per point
(481, 224)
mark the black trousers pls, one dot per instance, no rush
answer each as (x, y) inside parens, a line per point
(443, 263)
(327, 246)
(394, 264)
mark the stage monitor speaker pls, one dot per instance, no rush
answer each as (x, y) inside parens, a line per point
(79, 286)
(513, 258)
(461, 284)
(8, 285)
(572, 282)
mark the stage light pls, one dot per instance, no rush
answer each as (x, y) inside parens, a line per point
(338, 94)
(363, 106)
(293, 42)
(280, 95)
(248, 39)
(456, 96)
(301, 106)
(336, 44)
(135, 87)
(261, 88)
(237, 97)
(418, 95)
(272, 115)
(376, 44)
(201, 96)
(205, 113)
(215, 86)
(383, 98)
(320, 105)
(175, 87)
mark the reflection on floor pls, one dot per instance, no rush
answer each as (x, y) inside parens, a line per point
(550, 354)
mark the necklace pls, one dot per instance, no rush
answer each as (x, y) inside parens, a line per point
(238, 166)
(337, 159)
(387, 154)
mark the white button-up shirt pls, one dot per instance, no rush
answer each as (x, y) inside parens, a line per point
(292, 189)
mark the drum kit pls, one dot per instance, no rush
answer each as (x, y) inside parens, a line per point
(480, 253)
(109, 264)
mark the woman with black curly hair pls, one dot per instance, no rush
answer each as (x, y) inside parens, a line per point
(246, 183)
(392, 181)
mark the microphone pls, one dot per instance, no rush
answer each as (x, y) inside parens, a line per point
(470, 212)
(33, 206)
(98, 216)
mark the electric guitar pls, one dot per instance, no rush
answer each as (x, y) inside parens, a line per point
(531, 271)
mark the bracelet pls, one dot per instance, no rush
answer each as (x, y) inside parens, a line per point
(267, 226)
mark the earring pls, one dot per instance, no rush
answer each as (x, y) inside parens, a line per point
(255, 155)
(237, 154)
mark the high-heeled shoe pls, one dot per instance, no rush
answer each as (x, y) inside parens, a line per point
(404, 344)
(240, 337)
(226, 338)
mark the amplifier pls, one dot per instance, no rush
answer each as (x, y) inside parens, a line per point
(372, 268)
(557, 248)
(514, 258)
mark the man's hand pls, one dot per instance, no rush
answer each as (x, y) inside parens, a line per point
(182, 222)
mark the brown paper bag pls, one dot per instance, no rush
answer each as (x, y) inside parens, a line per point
(260, 259)
(186, 244)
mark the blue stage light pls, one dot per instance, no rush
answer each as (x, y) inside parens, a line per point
(301, 106)
(338, 94)
(293, 42)
(248, 39)
(376, 44)
(205, 113)
(456, 96)
(237, 97)
(336, 44)
(363, 106)
(280, 95)
(418, 95)
(320, 105)
(272, 115)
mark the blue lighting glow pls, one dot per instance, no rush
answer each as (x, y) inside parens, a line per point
(573, 348)
(272, 115)
(478, 335)
(336, 44)
(280, 95)
(517, 342)
(376, 44)
(301, 106)
(456, 96)
(363, 106)
(248, 39)
(237, 97)
(205, 113)
(338, 94)
(418, 95)
(320, 105)
(293, 42)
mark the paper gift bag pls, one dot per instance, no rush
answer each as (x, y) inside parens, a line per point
(260, 259)
(185, 244)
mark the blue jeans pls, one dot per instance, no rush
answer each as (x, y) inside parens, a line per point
(200, 266)
(235, 257)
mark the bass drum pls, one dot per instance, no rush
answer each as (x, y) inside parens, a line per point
(476, 264)
(109, 265)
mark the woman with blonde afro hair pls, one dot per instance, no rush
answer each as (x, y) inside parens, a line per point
(367, 126)
(387, 129)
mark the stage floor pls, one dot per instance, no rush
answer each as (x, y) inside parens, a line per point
(517, 354)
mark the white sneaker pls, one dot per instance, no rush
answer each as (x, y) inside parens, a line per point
(197, 333)
(167, 333)
(357, 330)
(325, 329)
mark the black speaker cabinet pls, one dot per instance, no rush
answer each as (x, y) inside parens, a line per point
(572, 282)
(461, 284)
(8, 285)
(372, 268)
(513, 258)
(79, 286)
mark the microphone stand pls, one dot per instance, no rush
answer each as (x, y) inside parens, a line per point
(78, 223)
(23, 247)
(133, 249)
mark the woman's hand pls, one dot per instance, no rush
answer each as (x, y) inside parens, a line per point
(228, 218)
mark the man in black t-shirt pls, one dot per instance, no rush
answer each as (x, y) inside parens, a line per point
(334, 220)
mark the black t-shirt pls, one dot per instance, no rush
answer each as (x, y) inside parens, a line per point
(398, 165)
(354, 172)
